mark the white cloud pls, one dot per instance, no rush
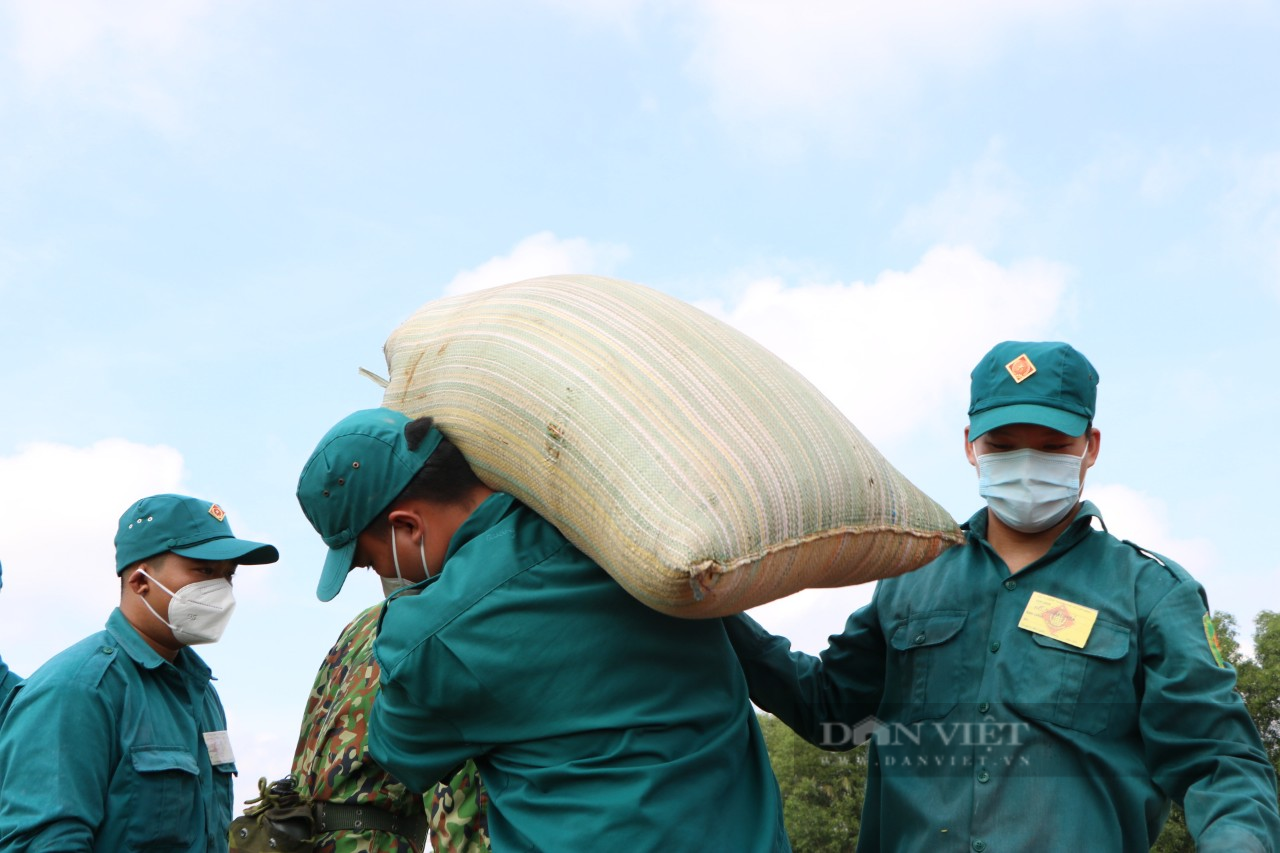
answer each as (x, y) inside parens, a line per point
(972, 209)
(538, 255)
(830, 61)
(1144, 520)
(782, 70)
(127, 55)
(809, 617)
(58, 512)
(836, 62)
(886, 353)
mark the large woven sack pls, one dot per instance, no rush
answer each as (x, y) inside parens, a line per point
(696, 467)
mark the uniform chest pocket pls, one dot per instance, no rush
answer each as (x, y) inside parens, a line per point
(1072, 687)
(165, 798)
(223, 803)
(929, 667)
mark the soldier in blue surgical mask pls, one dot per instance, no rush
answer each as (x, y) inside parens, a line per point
(120, 742)
(1045, 685)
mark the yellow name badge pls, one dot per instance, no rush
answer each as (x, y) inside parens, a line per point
(1052, 617)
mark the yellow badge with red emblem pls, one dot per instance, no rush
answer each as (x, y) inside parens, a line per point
(1062, 620)
(1020, 368)
(216, 512)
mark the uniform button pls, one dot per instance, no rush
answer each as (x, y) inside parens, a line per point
(984, 776)
(984, 707)
(919, 639)
(979, 845)
(107, 650)
(995, 647)
(1011, 585)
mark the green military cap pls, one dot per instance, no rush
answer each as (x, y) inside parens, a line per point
(1047, 383)
(187, 526)
(355, 472)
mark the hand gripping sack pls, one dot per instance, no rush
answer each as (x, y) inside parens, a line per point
(701, 471)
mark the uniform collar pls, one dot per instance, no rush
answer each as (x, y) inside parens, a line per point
(131, 643)
(491, 510)
(483, 517)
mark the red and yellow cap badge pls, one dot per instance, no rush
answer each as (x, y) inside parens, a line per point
(1020, 368)
(217, 513)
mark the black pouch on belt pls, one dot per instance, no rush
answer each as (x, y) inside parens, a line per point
(277, 820)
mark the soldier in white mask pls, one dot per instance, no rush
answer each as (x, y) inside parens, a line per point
(120, 742)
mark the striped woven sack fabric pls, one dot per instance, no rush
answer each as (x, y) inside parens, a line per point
(699, 469)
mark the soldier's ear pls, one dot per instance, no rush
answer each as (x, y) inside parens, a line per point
(135, 580)
(408, 520)
(1094, 446)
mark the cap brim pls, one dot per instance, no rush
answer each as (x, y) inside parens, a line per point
(1068, 423)
(241, 551)
(337, 565)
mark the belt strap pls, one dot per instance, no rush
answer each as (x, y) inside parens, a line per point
(331, 817)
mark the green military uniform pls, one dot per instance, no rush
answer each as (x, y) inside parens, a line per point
(331, 762)
(8, 680)
(987, 736)
(104, 749)
(598, 723)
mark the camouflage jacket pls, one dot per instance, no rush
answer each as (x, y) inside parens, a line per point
(331, 761)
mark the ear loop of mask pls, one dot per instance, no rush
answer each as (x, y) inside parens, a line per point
(395, 556)
(148, 603)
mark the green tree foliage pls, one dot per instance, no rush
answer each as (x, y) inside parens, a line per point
(1174, 838)
(821, 791)
(1259, 680)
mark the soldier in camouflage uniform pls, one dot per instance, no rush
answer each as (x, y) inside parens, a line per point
(331, 762)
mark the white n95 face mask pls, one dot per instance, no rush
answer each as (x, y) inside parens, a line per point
(1030, 490)
(199, 612)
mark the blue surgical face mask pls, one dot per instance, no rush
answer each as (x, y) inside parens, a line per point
(1030, 490)
(399, 582)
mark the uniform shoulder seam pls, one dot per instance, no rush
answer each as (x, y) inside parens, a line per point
(1172, 567)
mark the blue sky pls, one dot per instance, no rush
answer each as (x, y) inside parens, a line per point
(212, 214)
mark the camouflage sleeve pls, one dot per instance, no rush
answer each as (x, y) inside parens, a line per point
(331, 761)
(459, 813)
